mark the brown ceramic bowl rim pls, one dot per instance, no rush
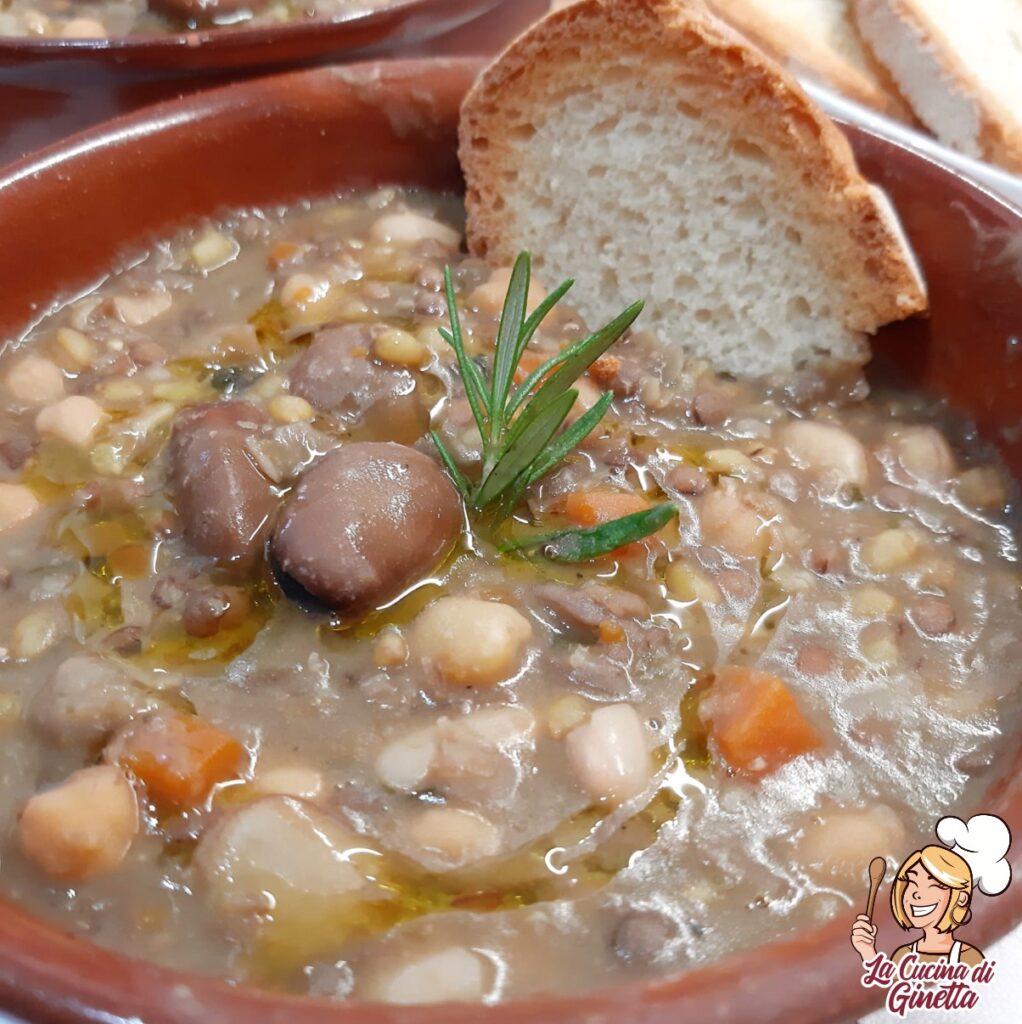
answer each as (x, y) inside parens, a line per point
(227, 39)
(51, 975)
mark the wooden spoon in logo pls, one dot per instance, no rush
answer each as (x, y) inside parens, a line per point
(877, 870)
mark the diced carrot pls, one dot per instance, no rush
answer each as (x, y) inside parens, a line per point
(755, 722)
(600, 505)
(179, 758)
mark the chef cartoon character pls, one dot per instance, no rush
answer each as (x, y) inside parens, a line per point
(933, 888)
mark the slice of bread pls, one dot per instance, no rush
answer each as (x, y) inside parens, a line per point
(646, 149)
(959, 63)
(818, 38)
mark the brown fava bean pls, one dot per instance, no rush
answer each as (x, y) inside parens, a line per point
(338, 375)
(224, 501)
(364, 522)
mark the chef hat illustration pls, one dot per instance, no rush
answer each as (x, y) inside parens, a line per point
(982, 843)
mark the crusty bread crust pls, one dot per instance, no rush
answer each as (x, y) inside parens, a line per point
(919, 54)
(880, 281)
(858, 76)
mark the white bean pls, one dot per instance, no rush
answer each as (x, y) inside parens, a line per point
(454, 837)
(289, 780)
(923, 454)
(609, 754)
(827, 450)
(409, 228)
(33, 380)
(83, 28)
(275, 848)
(139, 309)
(841, 842)
(452, 975)
(728, 522)
(405, 763)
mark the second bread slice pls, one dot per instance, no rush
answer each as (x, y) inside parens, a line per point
(646, 149)
(959, 63)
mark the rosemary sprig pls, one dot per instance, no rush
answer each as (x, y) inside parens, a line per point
(577, 545)
(519, 425)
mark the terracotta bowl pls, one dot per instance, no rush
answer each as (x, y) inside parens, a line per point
(69, 212)
(398, 23)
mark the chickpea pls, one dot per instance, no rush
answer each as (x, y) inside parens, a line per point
(35, 381)
(826, 450)
(889, 551)
(291, 409)
(870, 602)
(82, 827)
(410, 228)
(75, 420)
(609, 754)
(471, 642)
(686, 583)
(490, 295)
(213, 249)
(453, 836)
(17, 503)
(878, 643)
(565, 713)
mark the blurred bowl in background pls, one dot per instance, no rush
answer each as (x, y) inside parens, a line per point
(395, 24)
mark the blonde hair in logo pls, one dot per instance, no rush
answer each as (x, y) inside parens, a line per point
(946, 867)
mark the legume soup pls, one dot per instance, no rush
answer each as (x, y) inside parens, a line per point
(275, 710)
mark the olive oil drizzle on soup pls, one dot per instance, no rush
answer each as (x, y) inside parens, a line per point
(487, 775)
